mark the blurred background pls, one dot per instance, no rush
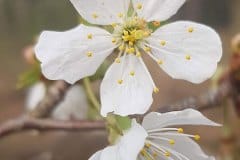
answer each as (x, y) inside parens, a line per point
(20, 23)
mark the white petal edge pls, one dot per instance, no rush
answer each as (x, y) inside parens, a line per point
(157, 10)
(133, 96)
(185, 146)
(127, 148)
(63, 55)
(156, 120)
(103, 12)
(191, 51)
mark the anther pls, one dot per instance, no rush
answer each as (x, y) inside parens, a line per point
(147, 49)
(130, 43)
(156, 90)
(171, 141)
(130, 50)
(114, 40)
(114, 25)
(148, 145)
(160, 62)
(120, 15)
(163, 43)
(156, 23)
(132, 73)
(180, 130)
(89, 54)
(190, 29)
(188, 57)
(90, 36)
(167, 154)
(139, 6)
(117, 60)
(138, 54)
(120, 81)
(197, 137)
(121, 48)
(94, 15)
(155, 154)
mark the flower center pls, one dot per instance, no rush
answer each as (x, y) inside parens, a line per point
(130, 34)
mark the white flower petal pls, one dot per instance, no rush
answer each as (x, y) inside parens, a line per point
(96, 156)
(157, 10)
(133, 96)
(103, 12)
(189, 51)
(73, 54)
(156, 120)
(129, 146)
(185, 146)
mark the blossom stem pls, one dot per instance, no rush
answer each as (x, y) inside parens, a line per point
(90, 94)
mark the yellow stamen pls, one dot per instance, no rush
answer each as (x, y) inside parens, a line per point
(180, 130)
(114, 24)
(120, 15)
(171, 141)
(197, 137)
(188, 57)
(155, 154)
(138, 54)
(120, 81)
(139, 6)
(147, 49)
(190, 29)
(156, 23)
(130, 50)
(130, 43)
(94, 15)
(132, 73)
(121, 48)
(89, 36)
(156, 90)
(167, 154)
(148, 145)
(114, 40)
(160, 62)
(89, 54)
(117, 60)
(163, 43)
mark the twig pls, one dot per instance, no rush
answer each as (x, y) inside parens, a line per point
(212, 98)
(26, 123)
(54, 96)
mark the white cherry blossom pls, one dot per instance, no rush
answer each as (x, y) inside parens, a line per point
(184, 49)
(158, 139)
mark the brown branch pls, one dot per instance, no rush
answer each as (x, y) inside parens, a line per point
(211, 98)
(26, 123)
(54, 96)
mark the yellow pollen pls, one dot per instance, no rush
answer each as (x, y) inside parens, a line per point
(132, 73)
(89, 36)
(117, 60)
(188, 57)
(120, 81)
(147, 33)
(171, 141)
(180, 130)
(160, 62)
(156, 90)
(147, 49)
(163, 43)
(121, 48)
(89, 54)
(156, 23)
(130, 50)
(94, 15)
(143, 152)
(148, 145)
(155, 154)
(114, 24)
(120, 15)
(167, 154)
(138, 54)
(197, 137)
(190, 29)
(139, 6)
(114, 40)
(130, 43)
